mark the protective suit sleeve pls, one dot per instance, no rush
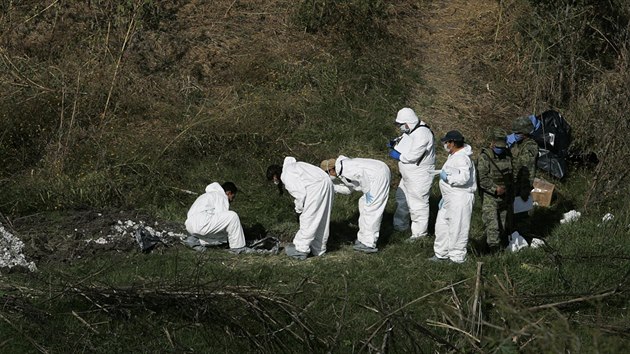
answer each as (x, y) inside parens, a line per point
(292, 183)
(458, 171)
(341, 188)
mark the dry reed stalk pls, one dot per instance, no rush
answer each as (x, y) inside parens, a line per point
(477, 316)
(15, 72)
(41, 12)
(447, 326)
(89, 326)
(386, 337)
(128, 35)
(168, 337)
(501, 285)
(575, 300)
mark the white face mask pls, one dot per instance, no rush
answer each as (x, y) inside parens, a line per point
(404, 129)
(332, 177)
(276, 182)
(446, 147)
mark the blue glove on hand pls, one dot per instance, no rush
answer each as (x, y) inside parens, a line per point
(392, 143)
(511, 139)
(440, 203)
(368, 198)
(443, 176)
(394, 154)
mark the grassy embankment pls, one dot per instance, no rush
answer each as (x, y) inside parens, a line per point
(106, 106)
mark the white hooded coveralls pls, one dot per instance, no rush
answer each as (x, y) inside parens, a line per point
(458, 194)
(367, 176)
(412, 194)
(313, 192)
(210, 216)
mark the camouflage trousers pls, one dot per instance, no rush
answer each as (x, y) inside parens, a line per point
(495, 217)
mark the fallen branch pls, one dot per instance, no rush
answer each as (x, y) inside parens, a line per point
(447, 326)
(84, 322)
(572, 301)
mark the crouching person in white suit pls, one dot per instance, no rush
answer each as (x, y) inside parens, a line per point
(371, 177)
(210, 222)
(313, 195)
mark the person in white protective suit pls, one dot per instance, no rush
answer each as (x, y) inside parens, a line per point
(210, 222)
(313, 195)
(371, 177)
(458, 185)
(415, 152)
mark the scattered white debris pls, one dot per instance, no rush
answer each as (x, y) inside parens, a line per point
(608, 217)
(536, 242)
(127, 229)
(11, 252)
(517, 242)
(101, 240)
(570, 216)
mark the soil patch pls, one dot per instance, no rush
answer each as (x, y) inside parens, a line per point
(69, 235)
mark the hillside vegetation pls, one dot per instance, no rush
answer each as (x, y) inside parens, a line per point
(119, 109)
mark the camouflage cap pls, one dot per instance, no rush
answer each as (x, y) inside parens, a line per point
(522, 125)
(498, 137)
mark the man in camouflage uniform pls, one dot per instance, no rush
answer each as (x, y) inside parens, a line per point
(495, 185)
(524, 154)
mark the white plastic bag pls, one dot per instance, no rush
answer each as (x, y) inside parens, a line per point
(517, 242)
(570, 216)
(536, 242)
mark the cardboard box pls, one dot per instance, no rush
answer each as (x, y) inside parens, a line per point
(542, 192)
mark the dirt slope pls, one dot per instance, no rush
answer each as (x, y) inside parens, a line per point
(455, 46)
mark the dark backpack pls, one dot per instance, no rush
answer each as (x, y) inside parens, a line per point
(554, 133)
(553, 138)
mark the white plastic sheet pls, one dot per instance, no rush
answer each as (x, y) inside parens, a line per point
(517, 242)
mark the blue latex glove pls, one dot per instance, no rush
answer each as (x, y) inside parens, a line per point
(513, 139)
(535, 122)
(394, 154)
(368, 198)
(392, 143)
(440, 203)
(443, 176)
(499, 151)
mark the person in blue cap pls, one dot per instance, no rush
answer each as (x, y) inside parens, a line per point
(458, 186)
